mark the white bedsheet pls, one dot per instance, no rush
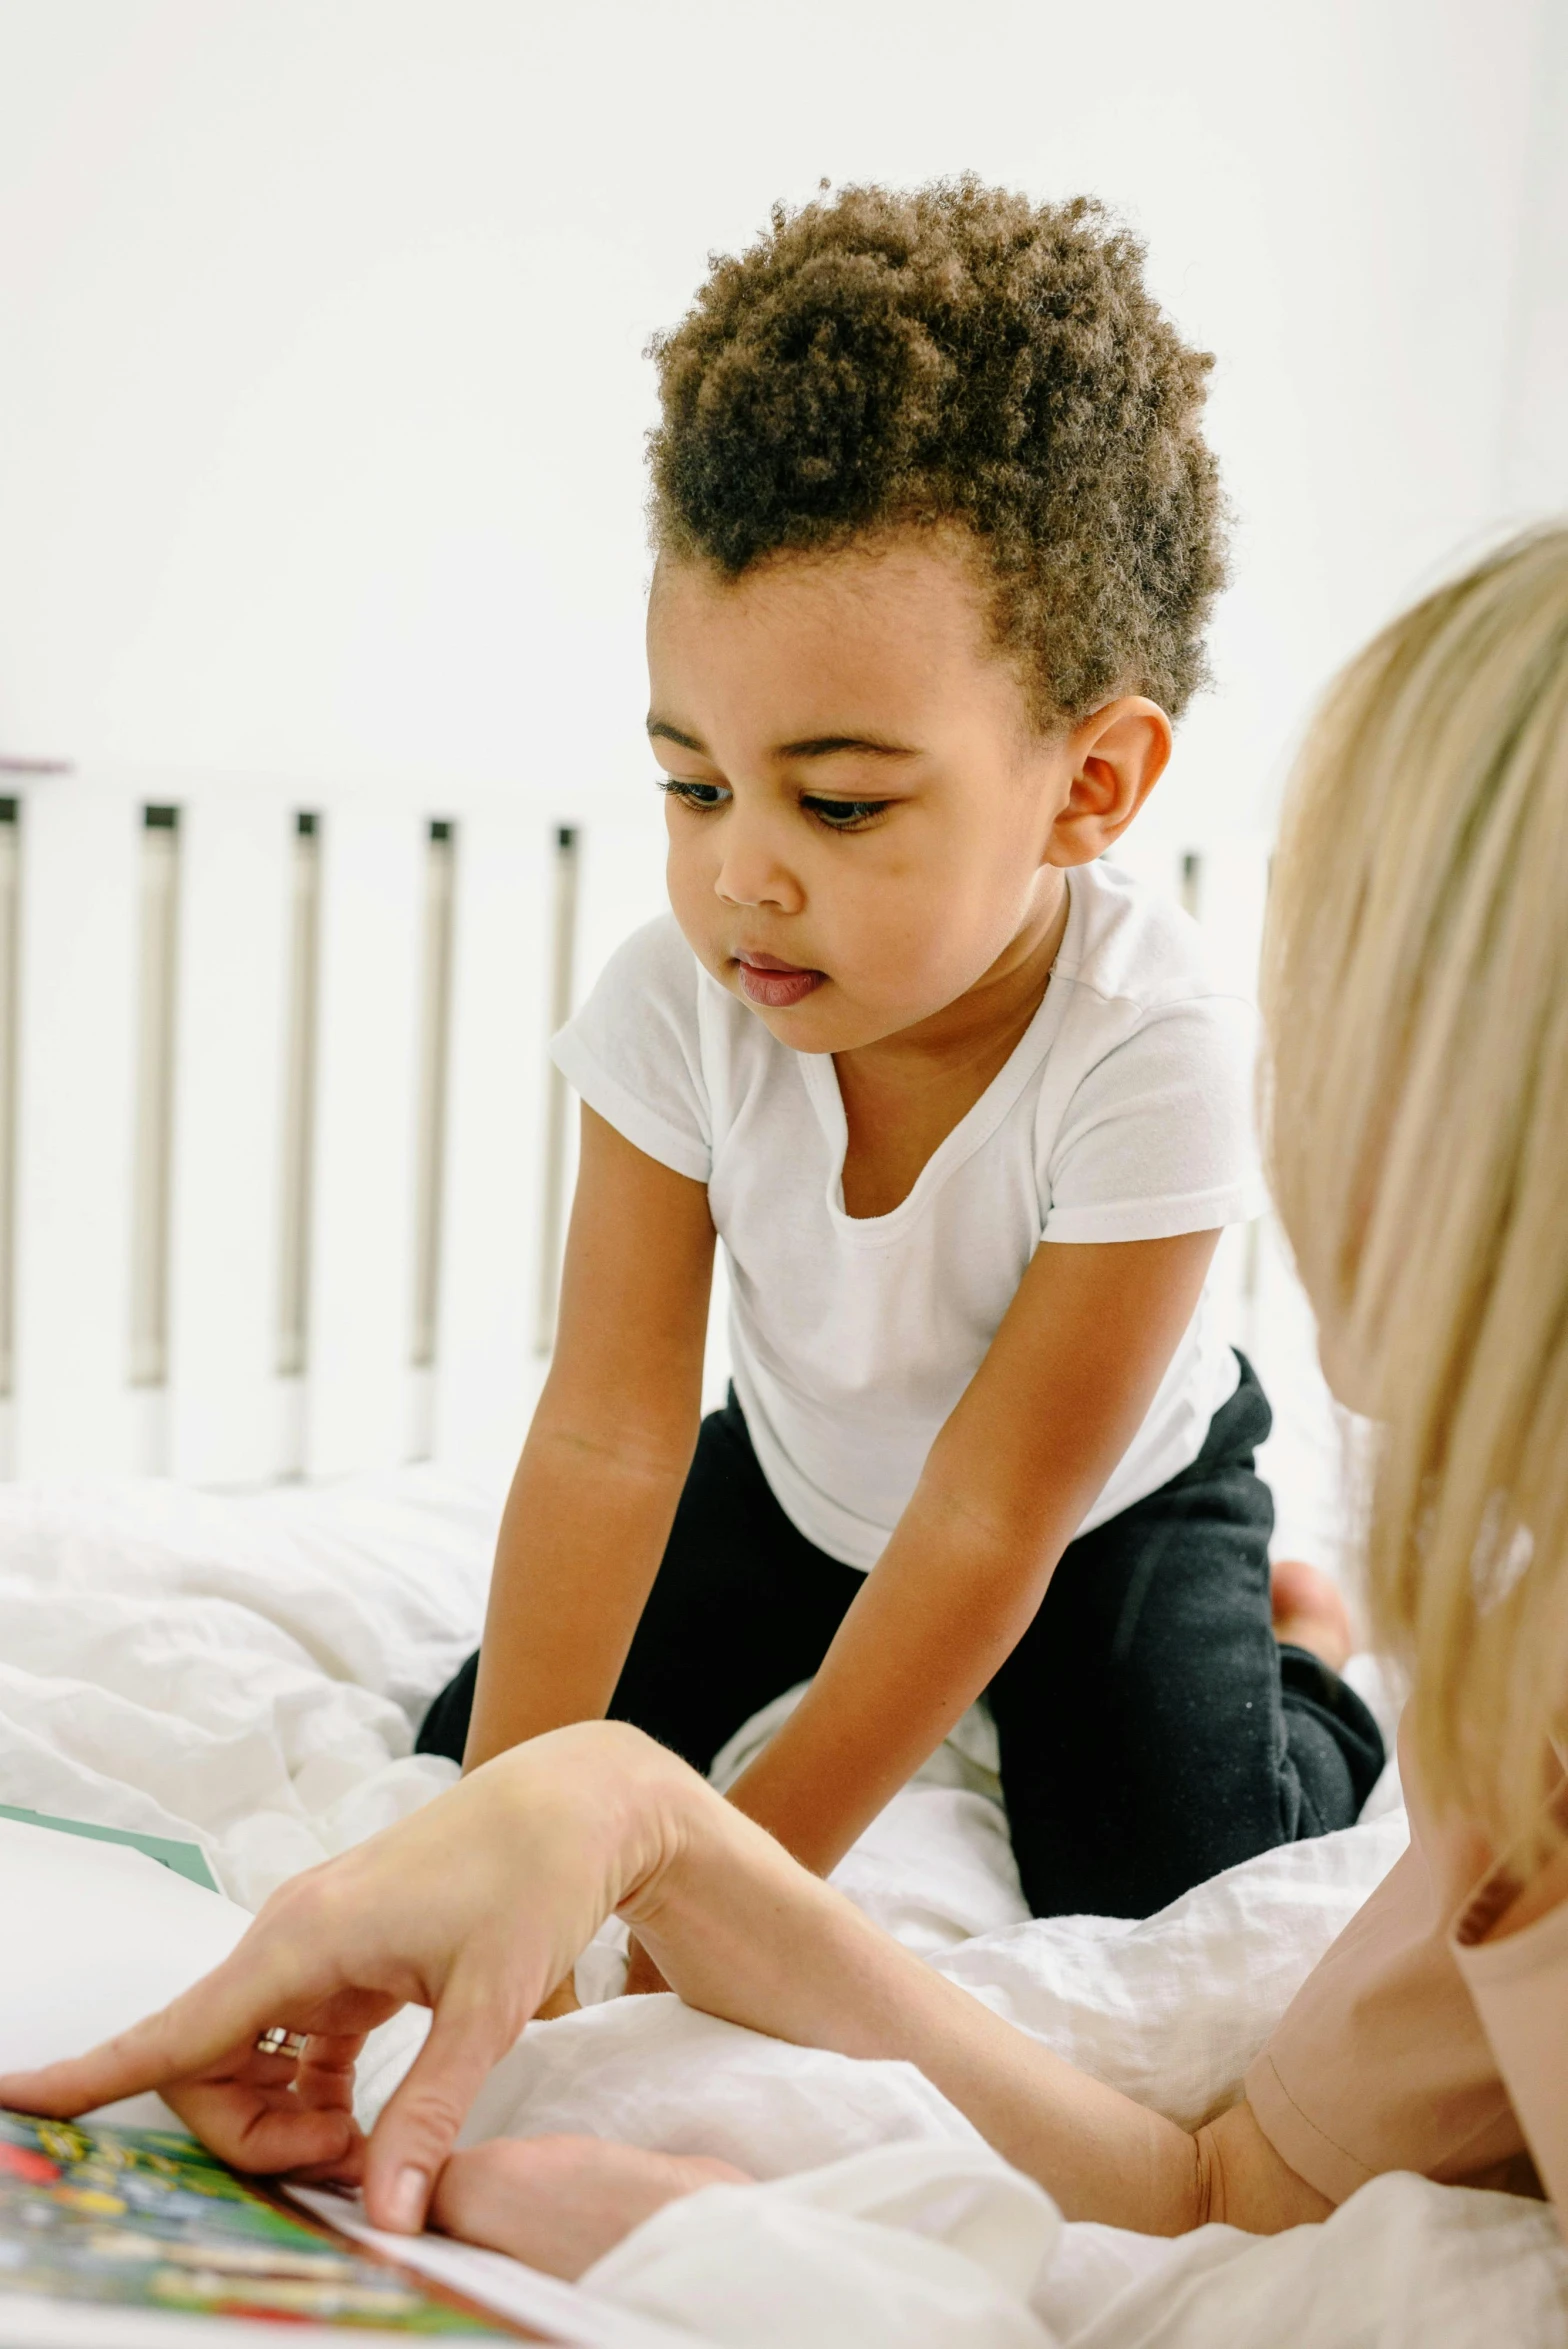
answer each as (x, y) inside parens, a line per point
(245, 1673)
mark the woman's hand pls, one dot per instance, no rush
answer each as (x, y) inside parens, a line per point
(481, 1902)
(474, 1907)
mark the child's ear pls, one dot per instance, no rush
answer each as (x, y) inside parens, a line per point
(1117, 757)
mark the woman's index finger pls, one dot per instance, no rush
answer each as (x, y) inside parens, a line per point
(225, 2011)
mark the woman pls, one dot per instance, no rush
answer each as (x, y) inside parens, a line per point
(1417, 1000)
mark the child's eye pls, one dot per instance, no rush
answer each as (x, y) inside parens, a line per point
(845, 815)
(692, 795)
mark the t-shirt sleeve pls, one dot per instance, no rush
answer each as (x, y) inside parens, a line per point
(1158, 1136)
(1380, 2061)
(1519, 1986)
(634, 1050)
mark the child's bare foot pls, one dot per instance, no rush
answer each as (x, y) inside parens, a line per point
(1310, 1613)
(560, 2203)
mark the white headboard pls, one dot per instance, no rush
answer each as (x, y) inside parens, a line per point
(281, 1181)
(283, 1166)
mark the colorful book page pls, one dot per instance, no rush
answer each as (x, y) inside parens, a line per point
(145, 2218)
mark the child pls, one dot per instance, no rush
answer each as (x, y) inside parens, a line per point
(937, 537)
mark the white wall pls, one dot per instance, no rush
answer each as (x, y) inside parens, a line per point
(1535, 356)
(321, 392)
(321, 410)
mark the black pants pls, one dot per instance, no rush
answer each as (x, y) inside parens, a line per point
(1152, 1731)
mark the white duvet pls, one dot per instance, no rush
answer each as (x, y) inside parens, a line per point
(245, 1674)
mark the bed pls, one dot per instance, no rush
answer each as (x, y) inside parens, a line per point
(245, 1672)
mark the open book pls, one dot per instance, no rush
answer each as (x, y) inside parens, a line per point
(108, 1937)
(121, 2238)
(102, 2219)
(142, 2218)
(186, 1859)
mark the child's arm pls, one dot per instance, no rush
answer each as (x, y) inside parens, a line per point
(595, 1492)
(1061, 1393)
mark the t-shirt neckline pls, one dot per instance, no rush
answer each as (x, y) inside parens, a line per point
(978, 1123)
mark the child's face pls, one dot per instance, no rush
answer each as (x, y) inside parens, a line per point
(863, 822)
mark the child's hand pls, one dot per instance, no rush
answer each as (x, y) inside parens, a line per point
(560, 2203)
(642, 1975)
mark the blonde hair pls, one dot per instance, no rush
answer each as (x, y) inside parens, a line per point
(1416, 999)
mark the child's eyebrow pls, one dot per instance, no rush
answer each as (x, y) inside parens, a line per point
(814, 746)
(660, 730)
(827, 746)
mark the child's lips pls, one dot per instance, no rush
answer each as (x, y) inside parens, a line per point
(775, 985)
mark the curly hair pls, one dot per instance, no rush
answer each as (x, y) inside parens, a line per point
(956, 355)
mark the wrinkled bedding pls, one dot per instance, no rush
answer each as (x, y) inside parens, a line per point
(246, 1673)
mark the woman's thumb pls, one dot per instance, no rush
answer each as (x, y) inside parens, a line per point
(411, 2141)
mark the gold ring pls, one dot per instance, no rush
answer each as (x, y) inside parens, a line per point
(278, 2041)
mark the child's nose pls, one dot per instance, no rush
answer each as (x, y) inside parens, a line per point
(752, 871)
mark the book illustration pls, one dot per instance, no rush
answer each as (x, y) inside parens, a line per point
(186, 1859)
(146, 2218)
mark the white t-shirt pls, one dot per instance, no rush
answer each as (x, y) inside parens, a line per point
(1124, 1113)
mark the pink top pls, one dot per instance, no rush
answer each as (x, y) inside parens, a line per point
(1417, 2044)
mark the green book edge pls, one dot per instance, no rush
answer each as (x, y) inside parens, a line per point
(186, 1859)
